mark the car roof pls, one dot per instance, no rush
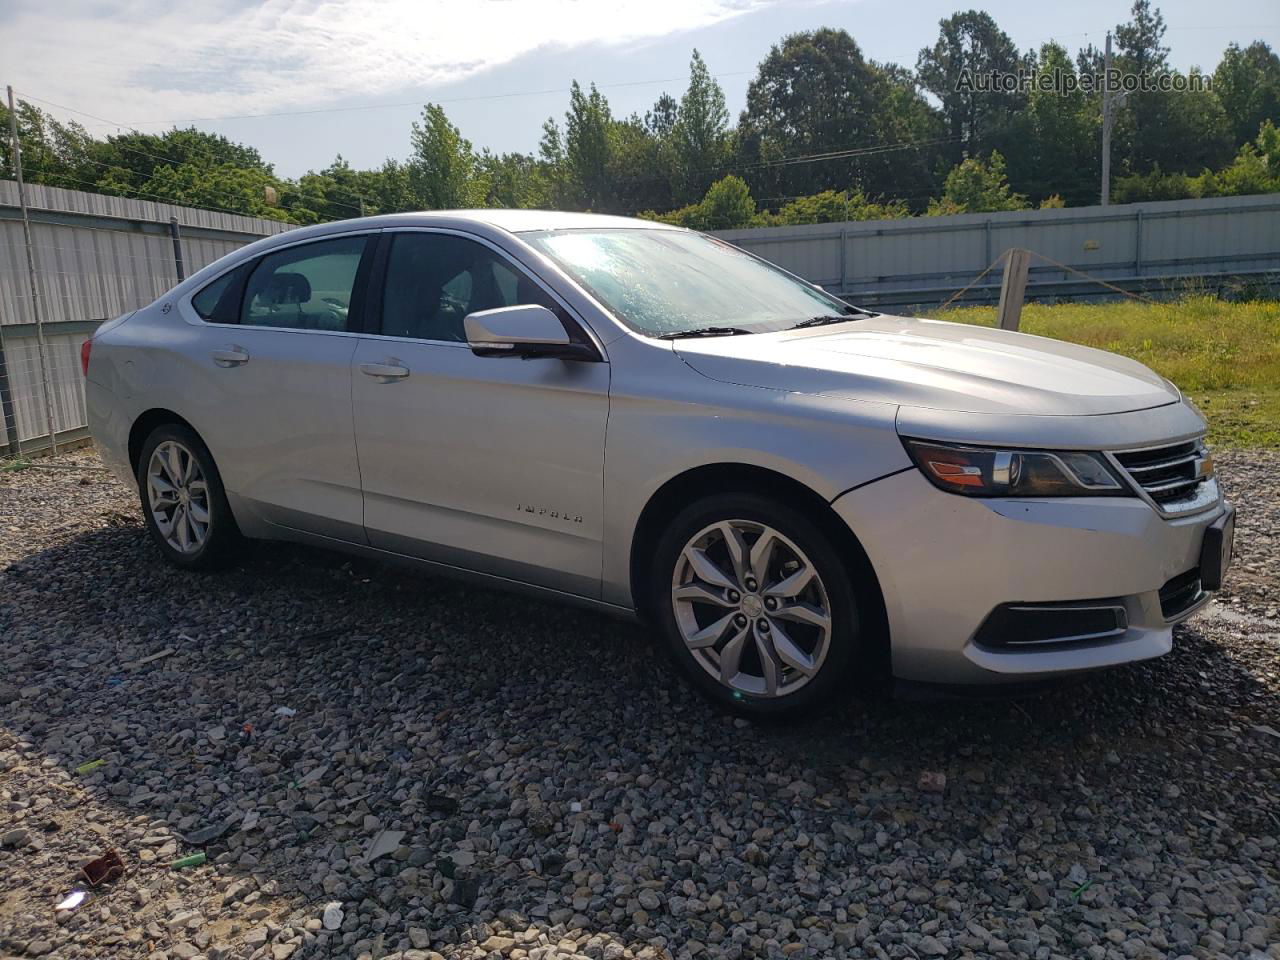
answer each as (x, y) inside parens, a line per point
(484, 221)
(510, 221)
(523, 221)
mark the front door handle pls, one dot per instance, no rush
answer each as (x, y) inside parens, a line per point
(386, 372)
(231, 357)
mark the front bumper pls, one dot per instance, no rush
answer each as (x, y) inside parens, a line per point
(945, 563)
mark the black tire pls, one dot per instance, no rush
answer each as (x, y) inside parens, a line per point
(834, 676)
(223, 538)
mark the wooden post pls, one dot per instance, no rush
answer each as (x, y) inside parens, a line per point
(1012, 288)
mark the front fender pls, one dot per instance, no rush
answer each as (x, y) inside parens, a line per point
(666, 419)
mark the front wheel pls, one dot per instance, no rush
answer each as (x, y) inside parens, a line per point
(183, 503)
(756, 605)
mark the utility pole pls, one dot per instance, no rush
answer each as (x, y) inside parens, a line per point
(31, 274)
(1106, 123)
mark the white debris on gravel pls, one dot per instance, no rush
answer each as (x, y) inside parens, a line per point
(552, 792)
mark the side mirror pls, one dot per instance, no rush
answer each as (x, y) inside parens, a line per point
(527, 331)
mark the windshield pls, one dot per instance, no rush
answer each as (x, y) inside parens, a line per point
(663, 282)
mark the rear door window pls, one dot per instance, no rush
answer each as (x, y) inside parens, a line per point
(308, 287)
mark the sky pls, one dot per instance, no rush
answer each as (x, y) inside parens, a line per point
(306, 80)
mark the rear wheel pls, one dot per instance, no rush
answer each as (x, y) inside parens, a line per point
(183, 502)
(755, 604)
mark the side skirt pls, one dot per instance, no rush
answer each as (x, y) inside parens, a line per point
(492, 581)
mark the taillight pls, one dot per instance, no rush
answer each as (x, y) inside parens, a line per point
(85, 349)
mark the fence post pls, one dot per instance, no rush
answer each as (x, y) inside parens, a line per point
(13, 441)
(1137, 243)
(1012, 288)
(31, 276)
(177, 249)
(844, 259)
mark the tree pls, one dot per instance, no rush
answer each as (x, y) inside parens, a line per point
(443, 171)
(587, 149)
(391, 189)
(1255, 170)
(1141, 51)
(977, 186)
(144, 152)
(640, 167)
(1181, 131)
(832, 206)
(824, 129)
(53, 153)
(728, 204)
(970, 45)
(1141, 40)
(661, 120)
(1158, 185)
(222, 186)
(513, 180)
(337, 192)
(699, 132)
(816, 94)
(1054, 149)
(552, 170)
(1247, 84)
(915, 172)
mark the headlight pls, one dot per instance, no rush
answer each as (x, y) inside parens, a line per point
(988, 472)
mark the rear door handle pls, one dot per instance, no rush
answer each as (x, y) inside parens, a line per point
(386, 372)
(232, 357)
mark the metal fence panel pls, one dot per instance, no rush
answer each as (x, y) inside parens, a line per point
(99, 256)
(96, 257)
(27, 387)
(1136, 246)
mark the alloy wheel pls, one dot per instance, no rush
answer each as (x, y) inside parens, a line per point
(179, 497)
(751, 607)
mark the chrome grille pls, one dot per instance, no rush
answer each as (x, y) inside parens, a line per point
(1178, 478)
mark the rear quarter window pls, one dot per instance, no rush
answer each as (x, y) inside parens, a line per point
(219, 300)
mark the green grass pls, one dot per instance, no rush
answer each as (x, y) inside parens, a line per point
(1224, 356)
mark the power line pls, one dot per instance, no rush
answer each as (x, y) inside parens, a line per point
(840, 153)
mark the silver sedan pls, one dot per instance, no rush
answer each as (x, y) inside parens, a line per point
(803, 497)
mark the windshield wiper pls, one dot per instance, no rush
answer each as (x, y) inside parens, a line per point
(825, 319)
(704, 332)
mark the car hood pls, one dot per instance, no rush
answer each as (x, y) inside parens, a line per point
(935, 364)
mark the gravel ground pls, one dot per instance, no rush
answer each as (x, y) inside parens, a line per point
(545, 789)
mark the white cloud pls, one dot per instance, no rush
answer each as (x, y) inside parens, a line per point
(143, 60)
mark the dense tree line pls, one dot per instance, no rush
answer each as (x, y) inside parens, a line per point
(826, 134)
